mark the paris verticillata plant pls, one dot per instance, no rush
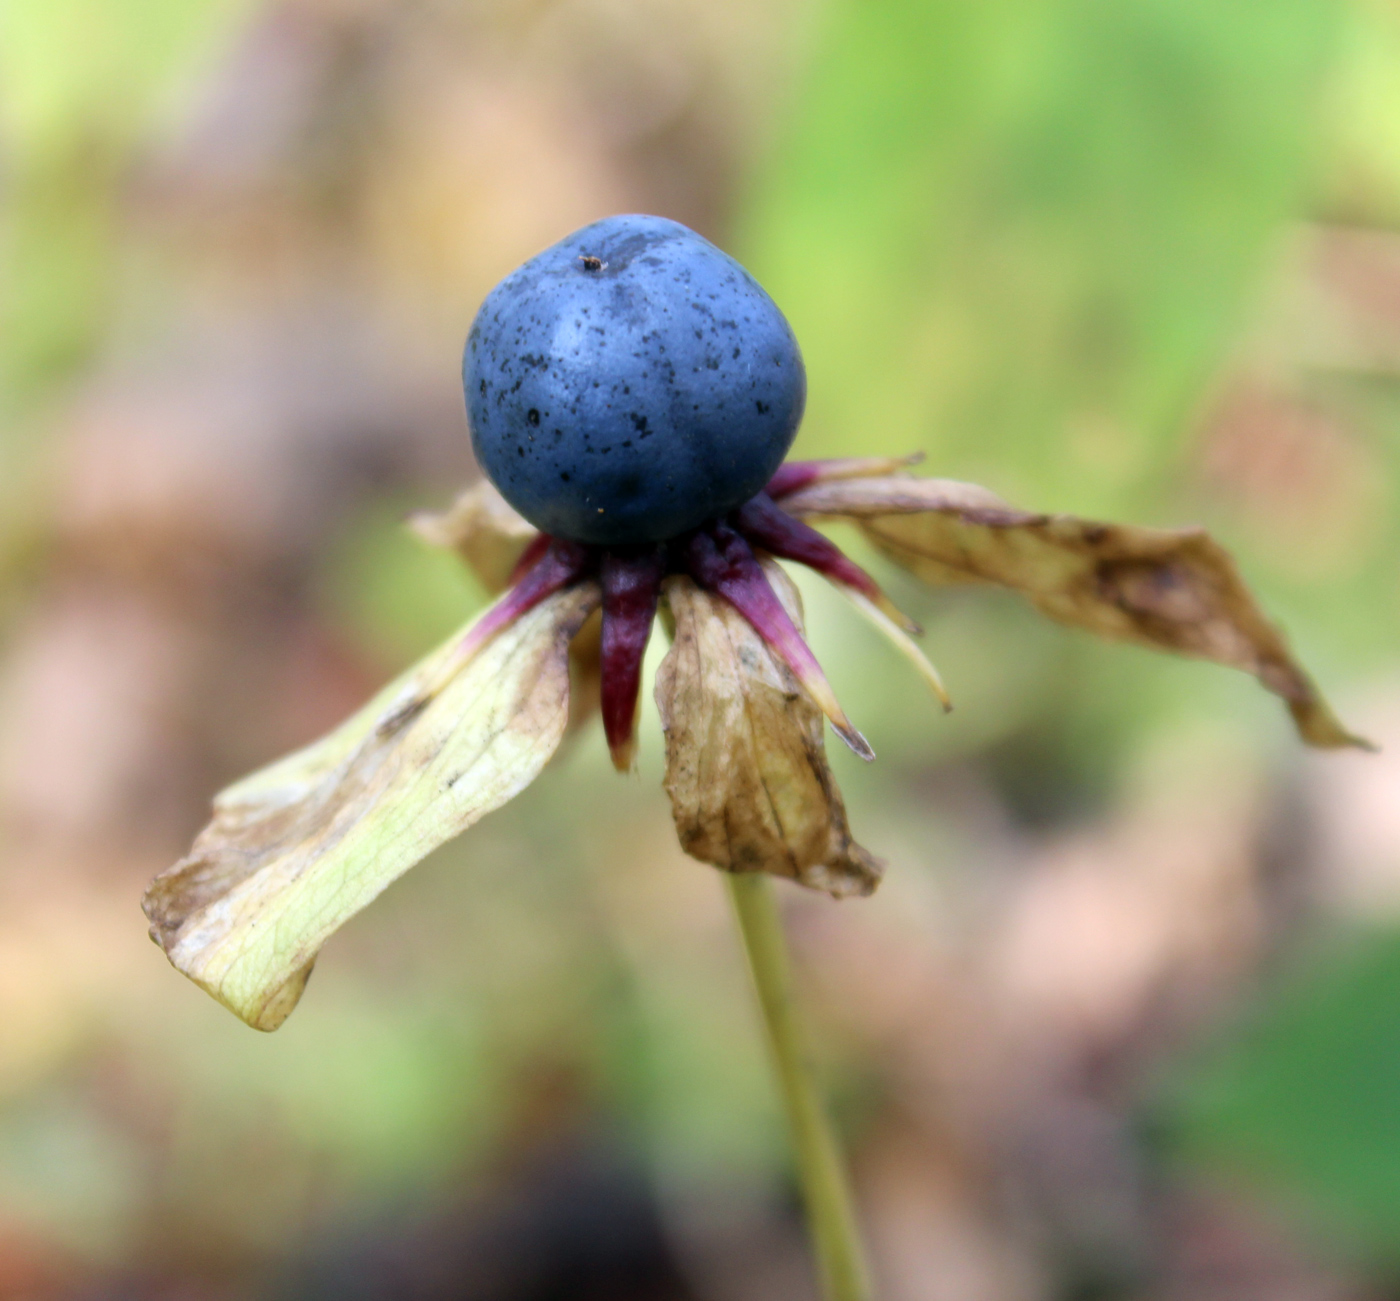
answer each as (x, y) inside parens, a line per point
(632, 394)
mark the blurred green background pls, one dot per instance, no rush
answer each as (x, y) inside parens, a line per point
(1124, 1019)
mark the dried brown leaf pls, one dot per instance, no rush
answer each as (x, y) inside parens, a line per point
(746, 766)
(1170, 589)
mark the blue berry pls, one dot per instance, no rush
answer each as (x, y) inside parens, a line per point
(631, 383)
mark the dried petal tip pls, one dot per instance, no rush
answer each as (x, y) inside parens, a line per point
(903, 643)
(855, 742)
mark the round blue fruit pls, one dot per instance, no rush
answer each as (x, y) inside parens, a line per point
(631, 383)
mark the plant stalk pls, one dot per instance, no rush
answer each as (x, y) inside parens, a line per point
(825, 1193)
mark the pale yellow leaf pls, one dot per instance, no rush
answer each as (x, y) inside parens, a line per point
(299, 847)
(746, 766)
(1170, 589)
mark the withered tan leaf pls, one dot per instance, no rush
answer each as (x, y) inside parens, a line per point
(298, 848)
(746, 766)
(1170, 589)
(482, 528)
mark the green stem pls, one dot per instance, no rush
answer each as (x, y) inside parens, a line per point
(830, 1218)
